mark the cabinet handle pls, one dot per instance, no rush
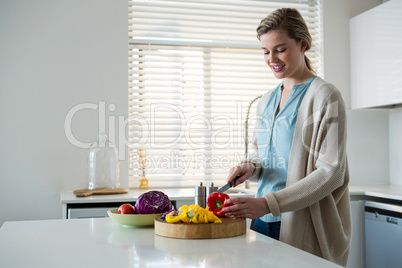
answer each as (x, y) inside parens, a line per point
(392, 220)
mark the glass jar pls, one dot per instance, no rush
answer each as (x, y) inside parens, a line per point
(103, 164)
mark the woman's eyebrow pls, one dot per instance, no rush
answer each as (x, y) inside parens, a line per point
(275, 46)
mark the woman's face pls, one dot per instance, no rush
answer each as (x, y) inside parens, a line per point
(284, 55)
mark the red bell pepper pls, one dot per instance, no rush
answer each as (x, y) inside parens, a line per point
(215, 203)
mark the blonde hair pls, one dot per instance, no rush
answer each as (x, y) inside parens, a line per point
(290, 21)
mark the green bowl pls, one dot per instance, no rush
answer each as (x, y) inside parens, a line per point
(133, 219)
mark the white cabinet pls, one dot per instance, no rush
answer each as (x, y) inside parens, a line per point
(376, 56)
(88, 209)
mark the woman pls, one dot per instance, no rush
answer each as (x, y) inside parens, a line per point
(300, 150)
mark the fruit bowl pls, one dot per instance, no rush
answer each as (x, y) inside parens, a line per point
(133, 219)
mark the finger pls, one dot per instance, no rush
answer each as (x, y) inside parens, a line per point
(239, 211)
(240, 180)
(242, 174)
(230, 208)
(235, 207)
(231, 170)
(237, 172)
(239, 215)
(232, 174)
(227, 204)
(234, 200)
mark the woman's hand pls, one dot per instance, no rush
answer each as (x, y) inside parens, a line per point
(246, 207)
(243, 171)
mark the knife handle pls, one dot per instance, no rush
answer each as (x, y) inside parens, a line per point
(233, 182)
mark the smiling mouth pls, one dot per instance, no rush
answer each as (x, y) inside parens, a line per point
(277, 68)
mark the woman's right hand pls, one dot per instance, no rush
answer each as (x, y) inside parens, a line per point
(243, 171)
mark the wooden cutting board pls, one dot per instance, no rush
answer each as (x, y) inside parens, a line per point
(228, 228)
(88, 192)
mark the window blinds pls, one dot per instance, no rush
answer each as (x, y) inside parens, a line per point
(194, 67)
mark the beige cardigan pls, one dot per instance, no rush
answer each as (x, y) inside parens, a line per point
(315, 203)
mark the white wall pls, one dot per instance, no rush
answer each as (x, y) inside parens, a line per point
(395, 148)
(54, 56)
(368, 139)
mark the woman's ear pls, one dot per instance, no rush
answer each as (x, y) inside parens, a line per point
(303, 45)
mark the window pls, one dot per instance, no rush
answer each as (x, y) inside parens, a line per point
(194, 68)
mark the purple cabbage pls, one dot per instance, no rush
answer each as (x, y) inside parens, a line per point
(153, 202)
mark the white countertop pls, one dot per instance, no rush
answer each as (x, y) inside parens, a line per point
(104, 243)
(382, 191)
(387, 191)
(68, 197)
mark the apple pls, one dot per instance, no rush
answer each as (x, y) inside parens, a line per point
(126, 209)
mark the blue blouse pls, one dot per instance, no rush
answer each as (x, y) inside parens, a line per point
(274, 139)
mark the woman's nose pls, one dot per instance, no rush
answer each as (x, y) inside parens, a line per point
(270, 58)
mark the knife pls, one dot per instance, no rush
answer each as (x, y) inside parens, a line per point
(228, 185)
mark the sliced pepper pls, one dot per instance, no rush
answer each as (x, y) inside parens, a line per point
(215, 203)
(184, 209)
(190, 214)
(194, 207)
(205, 217)
(201, 218)
(218, 221)
(194, 214)
(195, 219)
(211, 216)
(172, 219)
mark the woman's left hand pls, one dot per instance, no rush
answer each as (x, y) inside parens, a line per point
(246, 207)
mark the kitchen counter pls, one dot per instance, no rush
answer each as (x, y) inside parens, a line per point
(385, 191)
(99, 204)
(68, 197)
(104, 243)
(381, 191)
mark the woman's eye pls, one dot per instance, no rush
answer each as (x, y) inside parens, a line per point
(277, 51)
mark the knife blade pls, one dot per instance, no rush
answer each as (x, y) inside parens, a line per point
(228, 185)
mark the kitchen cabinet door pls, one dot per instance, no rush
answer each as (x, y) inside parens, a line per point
(376, 57)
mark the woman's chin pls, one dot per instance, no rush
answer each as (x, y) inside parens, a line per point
(279, 75)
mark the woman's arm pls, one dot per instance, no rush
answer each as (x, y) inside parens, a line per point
(249, 168)
(321, 154)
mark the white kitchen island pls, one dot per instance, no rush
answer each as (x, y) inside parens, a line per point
(104, 243)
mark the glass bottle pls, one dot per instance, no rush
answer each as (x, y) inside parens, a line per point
(103, 164)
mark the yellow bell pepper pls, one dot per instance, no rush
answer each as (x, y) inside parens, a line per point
(173, 219)
(211, 216)
(194, 207)
(218, 221)
(205, 218)
(184, 208)
(200, 218)
(193, 214)
(185, 219)
(194, 219)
